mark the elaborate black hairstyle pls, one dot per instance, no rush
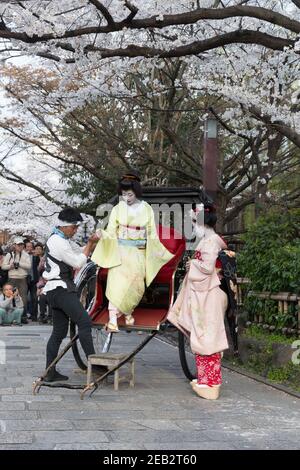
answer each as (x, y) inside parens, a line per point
(130, 181)
(210, 216)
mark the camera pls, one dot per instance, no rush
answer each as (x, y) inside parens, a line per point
(16, 265)
(14, 289)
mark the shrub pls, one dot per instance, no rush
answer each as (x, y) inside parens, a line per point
(271, 254)
(270, 258)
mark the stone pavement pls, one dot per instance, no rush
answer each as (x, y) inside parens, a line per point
(160, 413)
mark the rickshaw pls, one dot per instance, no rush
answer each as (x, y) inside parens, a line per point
(150, 315)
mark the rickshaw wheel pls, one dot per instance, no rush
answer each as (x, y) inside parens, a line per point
(101, 340)
(187, 359)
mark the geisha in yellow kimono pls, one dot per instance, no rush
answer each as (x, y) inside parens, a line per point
(132, 251)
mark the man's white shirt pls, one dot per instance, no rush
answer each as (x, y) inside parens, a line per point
(61, 249)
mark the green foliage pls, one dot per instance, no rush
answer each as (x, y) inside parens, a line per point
(270, 258)
(280, 374)
(268, 311)
(260, 359)
(271, 254)
(90, 190)
(256, 332)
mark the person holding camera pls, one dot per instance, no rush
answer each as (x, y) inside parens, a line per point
(18, 264)
(11, 306)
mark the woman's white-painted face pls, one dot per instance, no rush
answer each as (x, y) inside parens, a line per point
(129, 197)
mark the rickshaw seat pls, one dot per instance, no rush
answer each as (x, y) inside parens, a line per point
(175, 243)
(147, 316)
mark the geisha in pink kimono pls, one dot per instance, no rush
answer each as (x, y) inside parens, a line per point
(200, 306)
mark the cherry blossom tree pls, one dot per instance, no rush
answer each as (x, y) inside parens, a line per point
(160, 133)
(239, 57)
(32, 193)
(240, 49)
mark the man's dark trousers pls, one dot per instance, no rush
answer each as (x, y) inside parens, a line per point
(33, 305)
(66, 305)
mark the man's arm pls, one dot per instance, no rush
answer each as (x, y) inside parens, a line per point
(7, 262)
(70, 257)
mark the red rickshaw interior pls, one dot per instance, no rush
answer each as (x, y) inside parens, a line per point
(153, 309)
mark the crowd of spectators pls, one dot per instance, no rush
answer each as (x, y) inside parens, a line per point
(21, 283)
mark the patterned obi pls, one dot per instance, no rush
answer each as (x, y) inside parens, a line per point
(129, 235)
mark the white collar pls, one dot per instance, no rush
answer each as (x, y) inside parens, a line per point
(135, 207)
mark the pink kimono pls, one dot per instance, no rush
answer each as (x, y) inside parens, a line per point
(200, 308)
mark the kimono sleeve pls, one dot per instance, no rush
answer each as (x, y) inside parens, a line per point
(209, 254)
(106, 253)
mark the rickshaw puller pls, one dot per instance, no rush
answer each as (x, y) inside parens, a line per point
(60, 289)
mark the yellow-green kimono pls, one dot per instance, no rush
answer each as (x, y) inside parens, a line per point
(131, 249)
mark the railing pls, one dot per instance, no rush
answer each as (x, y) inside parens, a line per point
(287, 302)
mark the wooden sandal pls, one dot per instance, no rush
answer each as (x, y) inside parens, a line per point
(111, 328)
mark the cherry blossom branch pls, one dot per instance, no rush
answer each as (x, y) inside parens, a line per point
(194, 48)
(14, 177)
(100, 7)
(279, 126)
(234, 212)
(162, 21)
(296, 2)
(133, 11)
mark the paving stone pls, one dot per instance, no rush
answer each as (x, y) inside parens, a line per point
(33, 446)
(91, 414)
(210, 423)
(31, 398)
(38, 425)
(157, 436)
(98, 446)
(191, 446)
(101, 424)
(62, 406)
(6, 391)
(74, 437)
(16, 437)
(159, 424)
(12, 406)
(160, 413)
(76, 447)
(255, 438)
(18, 415)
